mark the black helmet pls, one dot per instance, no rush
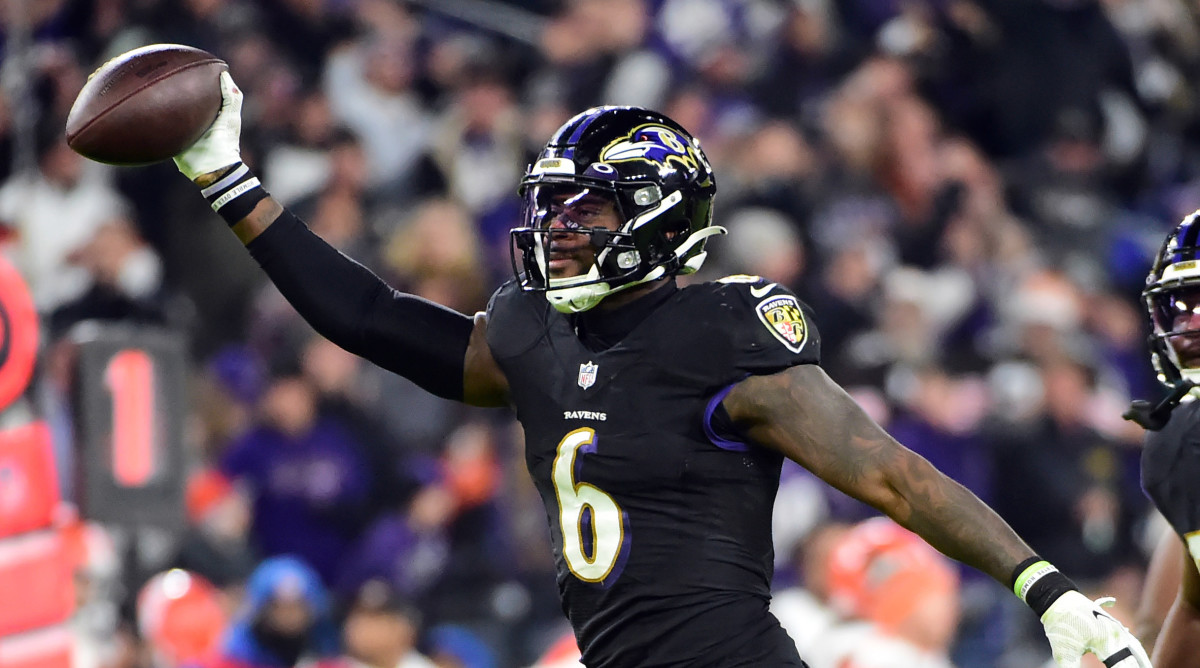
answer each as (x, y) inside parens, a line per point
(657, 177)
(1173, 283)
(1172, 290)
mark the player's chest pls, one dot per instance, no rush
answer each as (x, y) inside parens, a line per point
(623, 430)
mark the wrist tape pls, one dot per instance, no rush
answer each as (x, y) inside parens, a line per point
(235, 193)
(1039, 584)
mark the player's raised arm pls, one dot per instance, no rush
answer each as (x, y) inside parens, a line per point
(441, 350)
(1178, 644)
(805, 415)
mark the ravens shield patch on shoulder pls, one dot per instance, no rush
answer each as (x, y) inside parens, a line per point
(782, 315)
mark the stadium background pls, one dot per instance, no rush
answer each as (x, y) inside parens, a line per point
(968, 192)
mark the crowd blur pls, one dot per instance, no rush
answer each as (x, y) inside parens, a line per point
(967, 192)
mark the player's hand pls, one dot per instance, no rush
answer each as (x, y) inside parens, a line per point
(1076, 625)
(220, 146)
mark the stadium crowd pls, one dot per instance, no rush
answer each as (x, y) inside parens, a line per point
(967, 192)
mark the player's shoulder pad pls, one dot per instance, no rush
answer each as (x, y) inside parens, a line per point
(773, 306)
(515, 319)
(1171, 465)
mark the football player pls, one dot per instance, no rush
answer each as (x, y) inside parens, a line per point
(1171, 457)
(656, 417)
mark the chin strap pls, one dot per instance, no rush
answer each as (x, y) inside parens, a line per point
(1155, 416)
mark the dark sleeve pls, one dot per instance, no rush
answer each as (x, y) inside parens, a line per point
(354, 308)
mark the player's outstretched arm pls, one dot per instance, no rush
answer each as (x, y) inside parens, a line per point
(441, 350)
(809, 418)
(1179, 643)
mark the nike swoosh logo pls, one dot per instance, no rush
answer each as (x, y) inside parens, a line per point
(760, 292)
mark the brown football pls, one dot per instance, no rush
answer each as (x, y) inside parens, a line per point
(146, 105)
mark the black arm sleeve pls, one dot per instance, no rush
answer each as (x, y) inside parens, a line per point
(352, 307)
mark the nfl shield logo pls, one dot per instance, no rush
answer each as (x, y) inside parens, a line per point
(587, 374)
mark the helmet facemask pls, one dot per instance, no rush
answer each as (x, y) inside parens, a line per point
(1175, 343)
(1172, 300)
(662, 207)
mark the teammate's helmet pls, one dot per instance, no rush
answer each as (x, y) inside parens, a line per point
(1173, 290)
(662, 187)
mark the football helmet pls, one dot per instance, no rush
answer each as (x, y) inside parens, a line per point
(1171, 298)
(1172, 294)
(645, 166)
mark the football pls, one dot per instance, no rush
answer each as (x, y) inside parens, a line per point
(146, 105)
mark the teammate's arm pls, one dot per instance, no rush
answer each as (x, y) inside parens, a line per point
(803, 414)
(1179, 643)
(441, 350)
(1160, 588)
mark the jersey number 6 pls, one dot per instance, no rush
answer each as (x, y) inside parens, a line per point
(585, 510)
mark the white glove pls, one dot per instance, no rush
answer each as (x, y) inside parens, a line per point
(1075, 625)
(220, 145)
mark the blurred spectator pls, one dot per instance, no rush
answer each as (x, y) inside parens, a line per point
(309, 478)
(54, 212)
(369, 86)
(478, 143)
(594, 53)
(902, 593)
(804, 610)
(477, 588)
(381, 630)
(843, 295)
(300, 163)
(775, 167)
(1066, 191)
(345, 211)
(124, 277)
(1042, 56)
(408, 550)
(181, 618)
(436, 253)
(1074, 506)
(336, 376)
(216, 545)
(940, 419)
(96, 628)
(285, 619)
(227, 388)
(807, 61)
(453, 646)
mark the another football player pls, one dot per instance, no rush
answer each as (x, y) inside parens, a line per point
(1171, 458)
(656, 417)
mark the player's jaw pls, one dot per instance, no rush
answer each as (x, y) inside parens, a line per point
(1185, 338)
(1187, 348)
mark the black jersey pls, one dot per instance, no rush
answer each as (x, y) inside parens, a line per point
(661, 529)
(1171, 469)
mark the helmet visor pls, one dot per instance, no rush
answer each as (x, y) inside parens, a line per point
(569, 229)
